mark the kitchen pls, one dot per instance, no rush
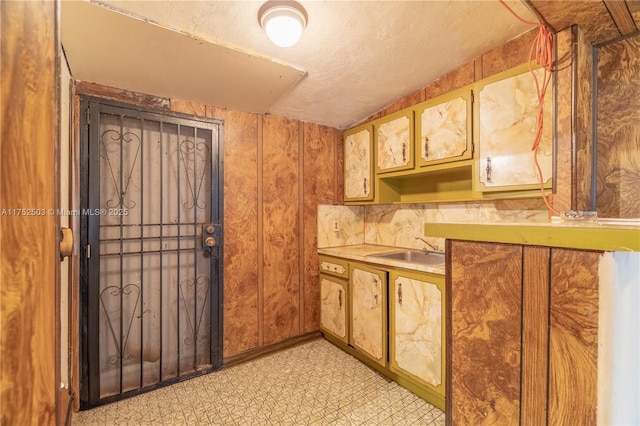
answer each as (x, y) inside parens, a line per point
(272, 296)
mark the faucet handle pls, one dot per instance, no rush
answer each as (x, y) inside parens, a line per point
(428, 244)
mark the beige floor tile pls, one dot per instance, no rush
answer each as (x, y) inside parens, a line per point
(314, 383)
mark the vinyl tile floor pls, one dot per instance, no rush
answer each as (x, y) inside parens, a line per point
(314, 383)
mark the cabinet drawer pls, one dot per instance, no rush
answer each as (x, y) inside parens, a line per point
(334, 266)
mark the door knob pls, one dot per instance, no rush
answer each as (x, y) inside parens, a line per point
(209, 241)
(66, 243)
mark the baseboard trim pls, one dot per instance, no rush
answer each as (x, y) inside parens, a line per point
(269, 349)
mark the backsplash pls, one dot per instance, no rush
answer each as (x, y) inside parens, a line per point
(399, 225)
(350, 225)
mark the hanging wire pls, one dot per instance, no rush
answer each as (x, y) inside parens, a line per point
(542, 52)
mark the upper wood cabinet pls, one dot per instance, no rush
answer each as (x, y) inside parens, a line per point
(443, 128)
(358, 163)
(470, 144)
(394, 142)
(506, 123)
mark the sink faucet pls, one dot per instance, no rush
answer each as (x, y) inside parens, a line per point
(428, 244)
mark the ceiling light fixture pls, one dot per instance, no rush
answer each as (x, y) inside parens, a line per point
(283, 21)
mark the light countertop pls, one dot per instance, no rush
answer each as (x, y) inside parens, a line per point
(363, 252)
(605, 235)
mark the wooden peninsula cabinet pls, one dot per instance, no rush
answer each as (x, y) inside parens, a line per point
(522, 333)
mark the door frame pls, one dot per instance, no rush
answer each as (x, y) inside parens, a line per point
(82, 198)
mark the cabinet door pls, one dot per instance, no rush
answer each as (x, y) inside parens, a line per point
(484, 291)
(416, 332)
(506, 118)
(443, 128)
(368, 289)
(358, 164)
(333, 306)
(394, 142)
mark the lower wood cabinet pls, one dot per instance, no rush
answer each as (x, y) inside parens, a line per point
(522, 332)
(333, 306)
(368, 294)
(393, 321)
(416, 329)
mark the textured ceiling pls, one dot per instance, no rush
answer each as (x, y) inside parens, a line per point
(359, 56)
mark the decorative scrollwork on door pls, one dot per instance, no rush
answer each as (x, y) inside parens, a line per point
(201, 284)
(195, 157)
(124, 294)
(116, 141)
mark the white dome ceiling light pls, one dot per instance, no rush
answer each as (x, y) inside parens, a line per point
(283, 21)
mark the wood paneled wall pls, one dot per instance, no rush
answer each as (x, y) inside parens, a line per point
(276, 171)
(618, 135)
(601, 20)
(29, 117)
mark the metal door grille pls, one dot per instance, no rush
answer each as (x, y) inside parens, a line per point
(152, 215)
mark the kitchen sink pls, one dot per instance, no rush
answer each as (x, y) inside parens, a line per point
(414, 256)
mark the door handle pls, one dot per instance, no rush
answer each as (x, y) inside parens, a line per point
(208, 239)
(66, 243)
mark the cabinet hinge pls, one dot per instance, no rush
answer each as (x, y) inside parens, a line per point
(88, 115)
(472, 96)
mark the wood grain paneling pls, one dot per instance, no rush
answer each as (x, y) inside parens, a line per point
(241, 232)
(583, 120)
(319, 188)
(191, 108)
(563, 198)
(405, 102)
(133, 98)
(592, 17)
(509, 55)
(453, 80)
(535, 321)
(573, 343)
(339, 170)
(281, 228)
(618, 136)
(621, 16)
(634, 8)
(483, 333)
(29, 117)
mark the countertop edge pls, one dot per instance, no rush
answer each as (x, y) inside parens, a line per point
(365, 250)
(605, 238)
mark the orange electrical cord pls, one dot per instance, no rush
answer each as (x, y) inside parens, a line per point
(542, 49)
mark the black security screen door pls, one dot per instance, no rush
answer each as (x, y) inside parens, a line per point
(152, 239)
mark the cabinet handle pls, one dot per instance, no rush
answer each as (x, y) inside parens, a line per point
(340, 298)
(488, 169)
(404, 152)
(365, 186)
(400, 293)
(426, 147)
